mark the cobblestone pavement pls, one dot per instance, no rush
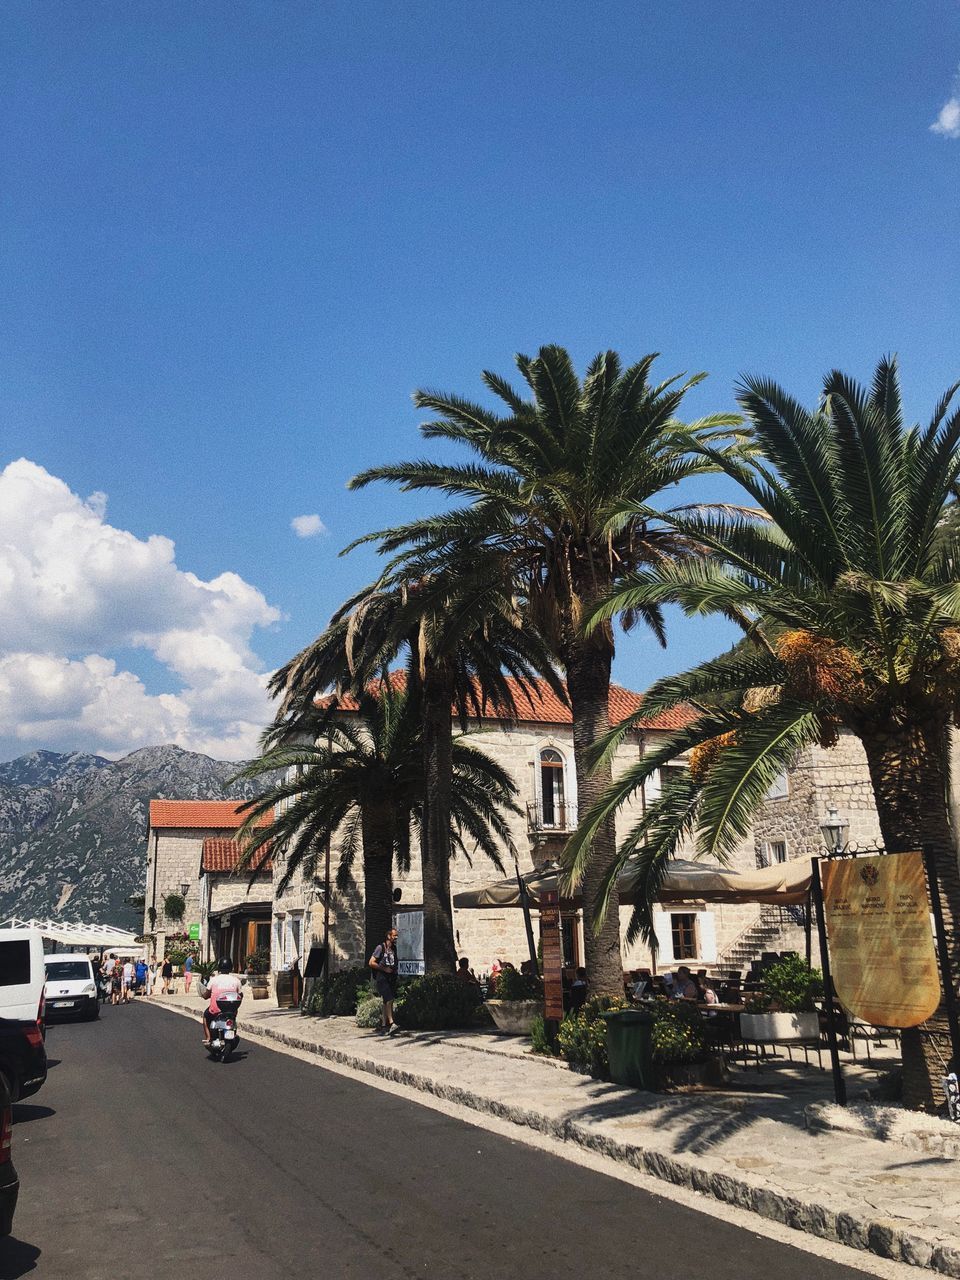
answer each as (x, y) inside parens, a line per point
(749, 1145)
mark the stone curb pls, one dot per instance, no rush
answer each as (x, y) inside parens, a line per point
(882, 1236)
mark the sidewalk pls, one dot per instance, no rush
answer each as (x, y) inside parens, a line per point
(772, 1143)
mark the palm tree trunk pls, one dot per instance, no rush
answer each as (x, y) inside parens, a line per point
(377, 832)
(910, 777)
(439, 949)
(588, 684)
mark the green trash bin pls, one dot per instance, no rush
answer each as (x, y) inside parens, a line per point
(630, 1047)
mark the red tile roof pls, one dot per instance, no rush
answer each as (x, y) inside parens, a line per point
(218, 815)
(223, 855)
(544, 707)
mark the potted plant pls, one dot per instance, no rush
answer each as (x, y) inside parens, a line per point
(516, 1002)
(204, 970)
(257, 966)
(785, 1011)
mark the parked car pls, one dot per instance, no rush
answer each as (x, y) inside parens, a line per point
(71, 988)
(22, 975)
(9, 1182)
(23, 1057)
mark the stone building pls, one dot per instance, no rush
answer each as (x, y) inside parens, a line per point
(537, 750)
(192, 853)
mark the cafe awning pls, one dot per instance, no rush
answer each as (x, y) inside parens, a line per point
(785, 884)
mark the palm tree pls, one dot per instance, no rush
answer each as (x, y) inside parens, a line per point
(543, 499)
(466, 650)
(363, 779)
(847, 578)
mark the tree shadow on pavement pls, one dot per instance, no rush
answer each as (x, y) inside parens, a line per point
(17, 1258)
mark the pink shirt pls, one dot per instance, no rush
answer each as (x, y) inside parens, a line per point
(222, 984)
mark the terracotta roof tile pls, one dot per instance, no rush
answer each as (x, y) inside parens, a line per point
(213, 814)
(544, 707)
(223, 855)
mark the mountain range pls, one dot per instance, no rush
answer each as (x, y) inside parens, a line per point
(73, 828)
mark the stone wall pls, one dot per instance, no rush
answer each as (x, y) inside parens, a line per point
(177, 855)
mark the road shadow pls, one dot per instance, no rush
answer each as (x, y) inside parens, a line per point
(24, 1112)
(17, 1258)
(53, 1062)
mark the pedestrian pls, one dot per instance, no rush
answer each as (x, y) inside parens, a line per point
(142, 972)
(187, 973)
(465, 973)
(383, 962)
(151, 974)
(578, 989)
(128, 976)
(166, 975)
(116, 983)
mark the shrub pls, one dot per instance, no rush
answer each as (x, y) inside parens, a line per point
(677, 1033)
(539, 1039)
(438, 1001)
(369, 1010)
(511, 984)
(344, 989)
(258, 961)
(582, 1036)
(174, 906)
(179, 946)
(789, 986)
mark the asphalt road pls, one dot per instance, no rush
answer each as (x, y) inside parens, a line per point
(142, 1160)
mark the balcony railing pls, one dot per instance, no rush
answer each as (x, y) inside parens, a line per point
(549, 818)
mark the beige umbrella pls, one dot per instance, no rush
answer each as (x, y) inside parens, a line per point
(785, 884)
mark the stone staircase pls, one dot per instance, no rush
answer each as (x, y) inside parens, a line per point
(769, 932)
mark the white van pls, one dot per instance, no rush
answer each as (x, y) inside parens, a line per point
(71, 987)
(21, 975)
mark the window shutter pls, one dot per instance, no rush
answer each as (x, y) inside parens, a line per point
(664, 935)
(707, 929)
(651, 788)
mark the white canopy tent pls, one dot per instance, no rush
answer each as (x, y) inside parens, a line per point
(74, 933)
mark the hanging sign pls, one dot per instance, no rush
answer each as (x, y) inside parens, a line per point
(882, 958)
(193, 932)
(552, 954)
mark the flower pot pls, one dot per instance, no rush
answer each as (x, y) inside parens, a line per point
(515, 1017)
(259, 984)
(779, 1028)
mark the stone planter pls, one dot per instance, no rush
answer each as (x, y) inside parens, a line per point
(259, 984)
(779, 1028)
(515, 1017)
(678, 1075)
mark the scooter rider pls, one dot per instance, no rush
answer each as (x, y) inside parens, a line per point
(223, 983)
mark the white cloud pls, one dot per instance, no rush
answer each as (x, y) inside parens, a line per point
(947, 122)
(307, 526)
(73, 588)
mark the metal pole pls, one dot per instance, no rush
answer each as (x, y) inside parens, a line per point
(528, 923)
(326, 924)
(808, 926)
(816, 892)
(943, 952)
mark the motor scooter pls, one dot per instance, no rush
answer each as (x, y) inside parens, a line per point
(224, 1036)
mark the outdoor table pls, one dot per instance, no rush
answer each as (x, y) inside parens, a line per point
(721, 1008)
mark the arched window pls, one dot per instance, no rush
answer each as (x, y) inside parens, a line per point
(551, 788)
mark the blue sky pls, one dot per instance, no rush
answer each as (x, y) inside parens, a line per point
(235, 237)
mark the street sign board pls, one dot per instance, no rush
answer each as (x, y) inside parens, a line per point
(882, 958)
(552, 955)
